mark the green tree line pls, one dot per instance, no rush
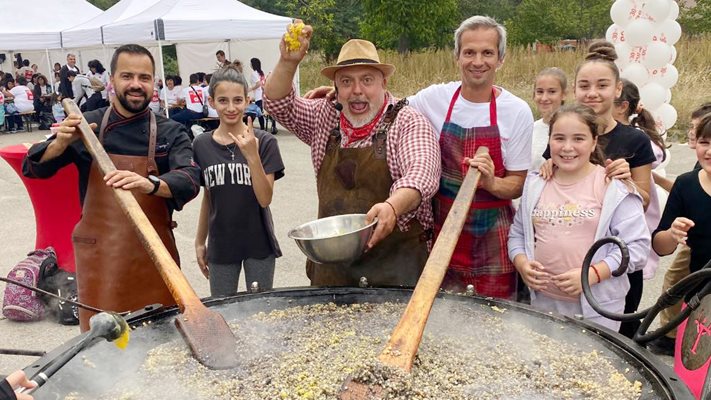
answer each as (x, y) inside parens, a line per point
(408, 25)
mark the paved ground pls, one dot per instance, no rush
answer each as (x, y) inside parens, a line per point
(294, 203)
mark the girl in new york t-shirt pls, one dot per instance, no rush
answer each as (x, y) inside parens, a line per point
(239, 166)
(559, 219)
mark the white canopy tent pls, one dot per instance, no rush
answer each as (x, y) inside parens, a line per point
(90, 33)
(37, 25)
(201, 28)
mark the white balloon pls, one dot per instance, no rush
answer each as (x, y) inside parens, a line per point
(652, 95)
(670, 32)
(621, 12)
(668, 97)
(656, 55)
(665, 115)
(639, 32)
(673, 10)
(673, 55)
(656, 10)
(615, 34)
(667, 76)
(624, 55)
(636, 73)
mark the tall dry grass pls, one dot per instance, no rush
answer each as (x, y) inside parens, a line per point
(419, 70)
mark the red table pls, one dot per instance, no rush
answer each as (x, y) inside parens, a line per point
(56, 205)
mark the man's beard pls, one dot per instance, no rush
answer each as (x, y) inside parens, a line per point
(130, 107)
(361, 119)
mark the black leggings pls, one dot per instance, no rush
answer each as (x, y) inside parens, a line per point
(634, 296)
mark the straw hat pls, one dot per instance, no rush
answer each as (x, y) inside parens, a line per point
(358, 52)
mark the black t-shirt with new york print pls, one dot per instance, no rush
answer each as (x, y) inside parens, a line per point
(239, 228)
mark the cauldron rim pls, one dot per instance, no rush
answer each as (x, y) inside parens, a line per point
(663, 378)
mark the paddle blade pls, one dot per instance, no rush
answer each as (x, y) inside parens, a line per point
(209, 337)
(354, 390)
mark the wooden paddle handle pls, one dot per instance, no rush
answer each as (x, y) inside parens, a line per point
(405, 339)
(178, 285)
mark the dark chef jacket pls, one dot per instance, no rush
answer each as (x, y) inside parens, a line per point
(129, 136)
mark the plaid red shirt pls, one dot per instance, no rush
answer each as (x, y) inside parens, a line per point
(413, 154)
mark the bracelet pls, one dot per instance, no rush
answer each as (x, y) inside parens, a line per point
(393, 207)
(596, 273)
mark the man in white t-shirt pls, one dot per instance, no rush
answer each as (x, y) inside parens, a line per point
(194, 98)
(172, 93)
(468, 114)
(22, 95)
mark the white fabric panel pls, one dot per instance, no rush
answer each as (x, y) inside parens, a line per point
(89, 33)
(198, 57)
(37, 24)
(195, 20)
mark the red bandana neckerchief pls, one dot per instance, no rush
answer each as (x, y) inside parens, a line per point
(356, 134)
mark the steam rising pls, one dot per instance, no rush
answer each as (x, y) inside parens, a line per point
(302, 351)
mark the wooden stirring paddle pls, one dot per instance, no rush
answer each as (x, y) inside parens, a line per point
(206, 332)
(401, 349)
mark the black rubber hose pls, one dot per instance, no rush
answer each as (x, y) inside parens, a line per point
(587, 261)
(672, 296)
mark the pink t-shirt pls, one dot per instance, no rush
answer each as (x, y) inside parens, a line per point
(565, 221)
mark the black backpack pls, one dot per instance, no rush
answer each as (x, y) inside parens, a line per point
(62, 283)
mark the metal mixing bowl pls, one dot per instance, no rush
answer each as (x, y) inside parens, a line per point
(338, 239)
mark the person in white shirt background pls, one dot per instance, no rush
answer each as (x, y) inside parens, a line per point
(549, 93)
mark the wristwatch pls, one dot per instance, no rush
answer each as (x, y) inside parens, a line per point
(156, 183)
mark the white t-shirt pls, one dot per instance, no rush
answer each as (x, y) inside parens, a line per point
(172, 95)
(515, 119)
(212, 113)
(192, 101)
(258, 91)
(540, 142)
(154, 105)
(24, 99)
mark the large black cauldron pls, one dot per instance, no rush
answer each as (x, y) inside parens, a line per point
(155, 327)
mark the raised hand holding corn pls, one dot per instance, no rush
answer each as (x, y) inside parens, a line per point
(296, 40)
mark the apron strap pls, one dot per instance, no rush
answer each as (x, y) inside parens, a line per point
(492, 106)
(104, 122)
(153, 134)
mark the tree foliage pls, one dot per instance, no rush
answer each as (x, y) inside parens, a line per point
(409, 24)
(103, 4)
(696, 19)
(548, 21)
(333, 22)
(500, 10)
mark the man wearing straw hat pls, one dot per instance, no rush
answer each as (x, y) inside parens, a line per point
(371, 154)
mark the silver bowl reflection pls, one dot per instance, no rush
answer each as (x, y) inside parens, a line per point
(338, 239)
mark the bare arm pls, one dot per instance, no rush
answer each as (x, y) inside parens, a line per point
(665, 183)
(201, 235)
(402, 201)
(641, 177)
(510, 186)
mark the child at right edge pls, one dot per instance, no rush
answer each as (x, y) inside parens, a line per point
(686, 220)
(679, 268)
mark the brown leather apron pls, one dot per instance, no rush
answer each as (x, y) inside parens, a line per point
(114, 271)
(350, 181)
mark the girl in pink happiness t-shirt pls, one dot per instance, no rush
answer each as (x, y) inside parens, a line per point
(560, 219)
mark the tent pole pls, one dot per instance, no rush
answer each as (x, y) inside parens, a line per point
(50, 77)
(162, 71)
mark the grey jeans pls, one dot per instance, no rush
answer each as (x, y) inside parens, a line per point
(224, 278)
